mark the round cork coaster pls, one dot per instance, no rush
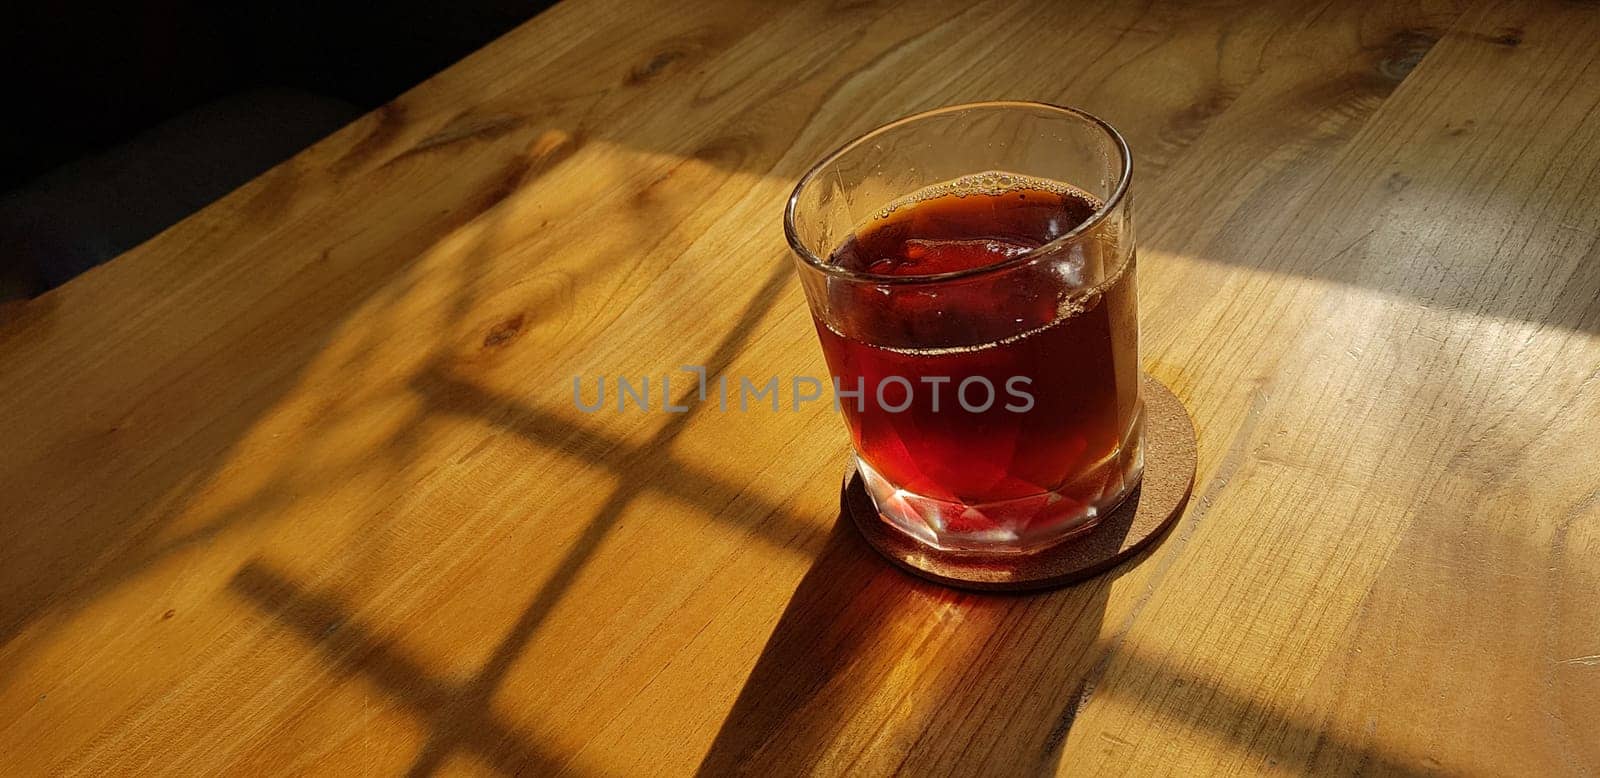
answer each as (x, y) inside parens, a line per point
(1170, 458)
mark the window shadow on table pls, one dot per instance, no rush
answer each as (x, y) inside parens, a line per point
(452, 711)
(123, 523)
(457, 714)
(120, 526)
(127, 518)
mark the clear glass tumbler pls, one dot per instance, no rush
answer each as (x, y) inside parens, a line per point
(971, 274)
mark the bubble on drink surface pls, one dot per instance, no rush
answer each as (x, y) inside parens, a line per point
(991, 182)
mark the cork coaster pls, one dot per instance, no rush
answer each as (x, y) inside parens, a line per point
(1169, 465)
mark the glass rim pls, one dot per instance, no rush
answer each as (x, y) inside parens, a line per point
(1111, 202)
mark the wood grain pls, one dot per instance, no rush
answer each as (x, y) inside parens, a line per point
(298, 486)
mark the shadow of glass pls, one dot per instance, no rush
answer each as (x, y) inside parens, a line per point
(873, 671)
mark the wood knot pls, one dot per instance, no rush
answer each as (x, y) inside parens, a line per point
(500, 335)
(654, 67)
(1404, 50)
(169, 614)
(555, 144)
(385, 124)
(1458, 130)
(727, 151)
(1187, 124)
(648, 195)
(551, 148)
(466, 128)
(1509, 37)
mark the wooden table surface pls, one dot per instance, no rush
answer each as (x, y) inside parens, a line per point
(299, 486)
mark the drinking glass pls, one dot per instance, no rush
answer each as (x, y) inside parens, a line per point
(994, 408)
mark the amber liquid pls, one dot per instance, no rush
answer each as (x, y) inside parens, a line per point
(1004, 474)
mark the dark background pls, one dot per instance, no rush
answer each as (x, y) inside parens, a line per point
(126, 118)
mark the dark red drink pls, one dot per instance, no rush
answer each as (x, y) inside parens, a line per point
(1009, 406)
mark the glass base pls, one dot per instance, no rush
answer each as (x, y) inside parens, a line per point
(1015, 526)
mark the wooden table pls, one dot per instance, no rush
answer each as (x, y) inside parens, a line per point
(299, 485)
